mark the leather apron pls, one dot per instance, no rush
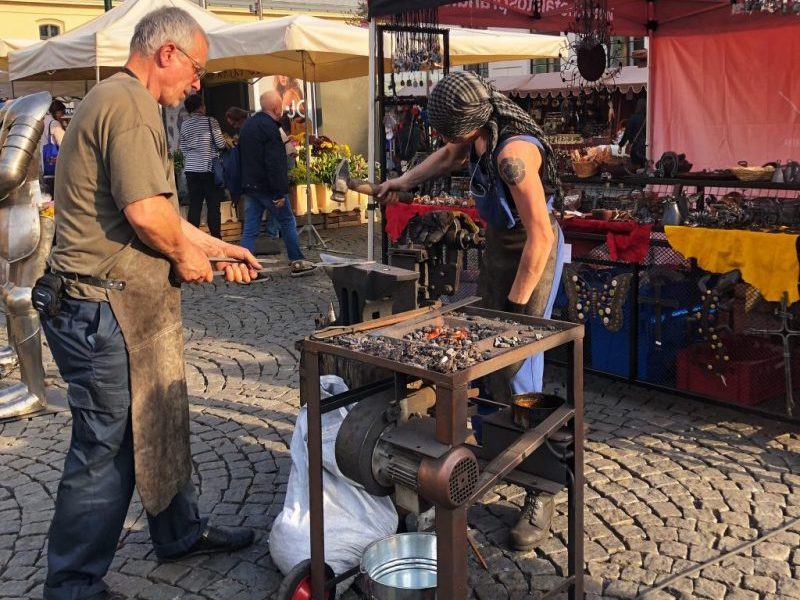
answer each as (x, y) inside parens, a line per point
(149, 314)
(499, 269)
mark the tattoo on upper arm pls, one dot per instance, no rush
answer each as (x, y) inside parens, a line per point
(512, 170)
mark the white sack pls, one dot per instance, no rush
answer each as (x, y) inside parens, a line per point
(353, 518)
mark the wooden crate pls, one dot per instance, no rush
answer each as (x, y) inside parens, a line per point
(339, 218)
(231, 231)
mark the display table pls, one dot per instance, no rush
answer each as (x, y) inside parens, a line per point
(767, 261)
(627, 241)
(663, 341)
(398, 215)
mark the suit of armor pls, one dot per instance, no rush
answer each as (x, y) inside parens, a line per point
(25, 240)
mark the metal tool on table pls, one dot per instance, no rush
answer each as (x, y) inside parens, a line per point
(343, 182)
(284, 269)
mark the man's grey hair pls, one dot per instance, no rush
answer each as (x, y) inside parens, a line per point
(168, 24)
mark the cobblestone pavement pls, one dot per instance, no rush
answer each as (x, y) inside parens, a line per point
(671, 482)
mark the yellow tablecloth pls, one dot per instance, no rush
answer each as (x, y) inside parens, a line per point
(767, 261)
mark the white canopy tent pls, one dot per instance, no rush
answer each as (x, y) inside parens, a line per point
(471, 46)
(299, 46)
(16, 89)
(98, 48)
(332, 50)
(8, 45)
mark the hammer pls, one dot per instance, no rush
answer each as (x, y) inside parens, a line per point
(342, 182)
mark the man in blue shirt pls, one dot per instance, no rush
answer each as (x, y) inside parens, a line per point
(265, 180)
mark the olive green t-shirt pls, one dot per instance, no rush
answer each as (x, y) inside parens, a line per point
(113, 153)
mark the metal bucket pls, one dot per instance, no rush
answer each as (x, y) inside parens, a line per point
(401, 567)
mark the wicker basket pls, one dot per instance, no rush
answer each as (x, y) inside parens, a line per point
(753, 173)
(585, 168)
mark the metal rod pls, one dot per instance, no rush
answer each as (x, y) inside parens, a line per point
(451, 552)
(309, 226)
(382, 147)
(525, 445)
(309, 389)
(738, 550)
(575, 484)
(371, 135)
(451, 525)
(476, 551)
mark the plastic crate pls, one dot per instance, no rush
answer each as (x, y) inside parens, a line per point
(754, 373)
(610, 352)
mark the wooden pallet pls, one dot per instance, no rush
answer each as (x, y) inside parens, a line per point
(338, 218)
(231, 231)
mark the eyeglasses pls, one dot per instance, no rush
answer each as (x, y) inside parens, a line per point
(199, 70)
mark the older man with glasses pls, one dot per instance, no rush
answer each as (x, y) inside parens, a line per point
(114, 322)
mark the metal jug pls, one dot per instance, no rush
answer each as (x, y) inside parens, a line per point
(671, 214)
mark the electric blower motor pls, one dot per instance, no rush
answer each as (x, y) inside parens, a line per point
(378, 449)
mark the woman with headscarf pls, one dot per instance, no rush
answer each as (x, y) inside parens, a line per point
(514, 181)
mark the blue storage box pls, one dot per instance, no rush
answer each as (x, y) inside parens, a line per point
(610, 352)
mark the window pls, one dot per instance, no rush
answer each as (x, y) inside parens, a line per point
(622, 49)
(481, 69)
(545, 65)
(48, 30)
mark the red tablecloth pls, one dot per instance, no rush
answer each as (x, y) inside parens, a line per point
(398, 215)
(627, 241)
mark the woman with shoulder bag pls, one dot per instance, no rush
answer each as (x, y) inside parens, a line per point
(51, 141)
(200, 142)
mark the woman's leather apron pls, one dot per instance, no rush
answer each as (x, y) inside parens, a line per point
(505, 241)
(149, 314)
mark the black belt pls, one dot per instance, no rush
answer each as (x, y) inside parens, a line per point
(108, 284)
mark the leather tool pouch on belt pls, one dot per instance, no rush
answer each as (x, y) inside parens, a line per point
(47, 294)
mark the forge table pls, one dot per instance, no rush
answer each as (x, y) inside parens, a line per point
(450, 429)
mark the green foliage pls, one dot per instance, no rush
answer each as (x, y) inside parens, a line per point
(178, 160)
(325, 158)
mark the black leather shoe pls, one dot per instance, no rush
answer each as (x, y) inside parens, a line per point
(534, 522)
(107, 595)
(214, 540)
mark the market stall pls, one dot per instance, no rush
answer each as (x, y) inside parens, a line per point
(617, 226)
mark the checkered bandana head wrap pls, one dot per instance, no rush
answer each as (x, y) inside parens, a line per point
(463, 102)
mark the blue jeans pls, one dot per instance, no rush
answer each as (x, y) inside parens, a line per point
(530, 377)
(98, 479)
(254, 205)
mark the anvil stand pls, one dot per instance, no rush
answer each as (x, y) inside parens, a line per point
(451, 418)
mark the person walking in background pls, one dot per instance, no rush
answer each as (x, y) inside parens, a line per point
(231, 161)
(50, 142)
(265, 180)
(201, 141)
(236, 117)
(636, 134)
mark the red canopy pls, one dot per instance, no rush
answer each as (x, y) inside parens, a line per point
(720, 98)
(630, 17)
